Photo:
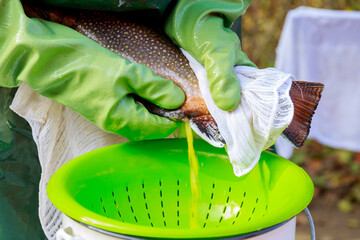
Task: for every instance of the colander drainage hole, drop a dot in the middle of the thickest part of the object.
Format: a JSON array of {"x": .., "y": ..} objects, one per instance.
[
  {"x": 162, "y": 203},
  {"x": 178, "y": 202},
  {"x": 238, "y": 213},
  {"x": 210, "y": 205},
  {"x": 131, "y": 207},
  {"x": 148, "y": 214},
  {"x": 224, "y": 209},
  {"x": 265, "y": 210},
  {"x": 101, "y": 200}
]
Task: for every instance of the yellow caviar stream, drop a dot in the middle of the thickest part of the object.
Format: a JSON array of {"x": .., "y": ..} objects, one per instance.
[{"x": 194, "y": 178}]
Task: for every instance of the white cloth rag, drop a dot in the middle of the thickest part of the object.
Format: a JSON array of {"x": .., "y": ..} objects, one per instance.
[
  {"x": 320, "y": 45},
  {"x": 264, "y": 112}
]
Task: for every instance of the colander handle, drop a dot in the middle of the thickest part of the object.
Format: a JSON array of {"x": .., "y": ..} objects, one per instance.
[
  {"x": 65, "y": 234},
  {"x": 311, "y": 222}
]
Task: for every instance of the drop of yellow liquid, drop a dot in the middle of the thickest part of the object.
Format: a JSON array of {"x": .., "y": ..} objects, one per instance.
[{"x": 194, "y": 176}]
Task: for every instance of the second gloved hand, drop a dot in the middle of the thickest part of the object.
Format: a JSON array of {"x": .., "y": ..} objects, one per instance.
[
  {"x": 69, "y": 68},
  {"x": 202, "y": 28}
]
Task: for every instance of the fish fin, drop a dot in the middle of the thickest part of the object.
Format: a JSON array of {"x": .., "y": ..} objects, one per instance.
[
  {"x": 207, "y": 129},
  {"x": 305, "y": 97}
]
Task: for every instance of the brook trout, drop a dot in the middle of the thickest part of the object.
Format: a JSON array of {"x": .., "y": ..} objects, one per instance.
[{"x": 142, "y": 43}]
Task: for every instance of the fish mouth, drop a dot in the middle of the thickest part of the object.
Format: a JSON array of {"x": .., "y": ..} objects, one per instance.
[{"x": 206, "y": 127}]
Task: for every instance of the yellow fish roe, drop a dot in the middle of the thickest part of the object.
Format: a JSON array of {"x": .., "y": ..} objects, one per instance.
[{"x": 194, "y": 178}]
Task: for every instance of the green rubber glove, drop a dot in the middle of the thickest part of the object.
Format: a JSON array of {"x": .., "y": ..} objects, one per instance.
[
  {"x": 202, "y": 28},
  {"x": 64, "y": 65},
  {"x": 110, "y": 5}
]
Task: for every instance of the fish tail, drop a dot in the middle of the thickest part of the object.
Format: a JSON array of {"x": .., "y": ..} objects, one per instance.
[
  {"x": 206, "y": 127},
  {"x": 305, "y": 97}
]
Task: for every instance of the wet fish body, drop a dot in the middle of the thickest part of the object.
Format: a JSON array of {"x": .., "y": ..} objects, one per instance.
[{"x": 144, "y": 44}]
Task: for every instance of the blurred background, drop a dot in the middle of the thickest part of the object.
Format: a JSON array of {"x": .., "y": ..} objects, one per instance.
[
  {"x": 335, "y": 172},
  {"x": 263, "y": 22}
]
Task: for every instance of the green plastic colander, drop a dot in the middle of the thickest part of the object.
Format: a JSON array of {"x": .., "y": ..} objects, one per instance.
[{"x": 143, "y": 189}]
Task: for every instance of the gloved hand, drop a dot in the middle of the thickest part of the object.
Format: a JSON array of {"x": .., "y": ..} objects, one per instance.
[
  {"x": 64, "y": 65},
  {"x": 155, "y": 6},
  {"x": 202, "y": 28}
]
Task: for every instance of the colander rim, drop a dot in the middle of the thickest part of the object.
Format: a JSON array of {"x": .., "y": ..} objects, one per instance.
[{"x": 76, "y": 211}]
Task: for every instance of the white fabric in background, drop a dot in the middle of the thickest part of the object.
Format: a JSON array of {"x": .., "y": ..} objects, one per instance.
[
  {"x": 264, "y": 112},
  {"x": 319, "y": 45},
  {"x": 60, "y": 135}
]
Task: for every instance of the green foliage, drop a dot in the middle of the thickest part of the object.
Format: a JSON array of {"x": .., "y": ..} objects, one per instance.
[{"x": 345, "y": 206}]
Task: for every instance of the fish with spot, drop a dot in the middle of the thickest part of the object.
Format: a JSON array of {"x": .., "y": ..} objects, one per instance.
[{"x": 145, "y": 44}]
